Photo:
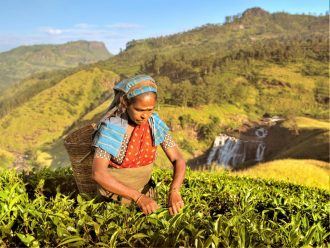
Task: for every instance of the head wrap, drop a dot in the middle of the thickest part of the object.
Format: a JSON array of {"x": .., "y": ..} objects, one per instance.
[
  {"x": 130, "y": 88},
  {"x": 136, "y": 85}
]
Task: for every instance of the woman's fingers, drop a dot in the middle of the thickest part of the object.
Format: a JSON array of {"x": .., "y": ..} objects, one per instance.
[
  {"x": 175, "y": 208},
  {"x": 175, "y": 202},
  {"x": 147, "y": 205},
  {"x": 152, "y": 208}
]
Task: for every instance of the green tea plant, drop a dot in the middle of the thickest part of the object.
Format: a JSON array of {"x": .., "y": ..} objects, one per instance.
[{"x": 43, "y": 209}]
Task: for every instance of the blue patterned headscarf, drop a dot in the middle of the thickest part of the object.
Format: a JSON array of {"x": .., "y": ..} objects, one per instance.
[
  {"x": 129, "y": 85},
  {"x": 112, "y": 129}
]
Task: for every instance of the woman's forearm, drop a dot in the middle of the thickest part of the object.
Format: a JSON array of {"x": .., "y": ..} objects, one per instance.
[{"x": 179, "y": 169}]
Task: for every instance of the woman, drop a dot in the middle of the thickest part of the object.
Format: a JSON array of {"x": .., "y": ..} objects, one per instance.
[{"x": 126, "y": 144}]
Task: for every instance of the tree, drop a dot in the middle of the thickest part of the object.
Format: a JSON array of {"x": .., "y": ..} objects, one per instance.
[
  {"x": 210, "y": 130},
  {"x": 157, "y": 63},
  {"x": 164, "y": 89},
  {"x": 182, "y": 93},
  {"x": 227, "y": 19}
]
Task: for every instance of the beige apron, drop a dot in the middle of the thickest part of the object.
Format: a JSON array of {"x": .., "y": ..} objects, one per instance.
[{"x": 135, "y": 178}]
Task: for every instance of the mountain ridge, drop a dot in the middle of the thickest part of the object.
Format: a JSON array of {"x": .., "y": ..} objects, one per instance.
[
  {"x": 240, "y": 31},
  {"x": 23, "y": 61}
]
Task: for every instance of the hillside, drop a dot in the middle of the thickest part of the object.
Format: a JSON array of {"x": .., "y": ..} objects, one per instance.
[
  {"x": 23, "y": 61},
  {"x": 279, "y": 60},
  {"x": 46, "y": 116},
  {"x": 268, "y": 68},
  {"x": 253, "y": 28},
  {"x": 309, "y": 139}
]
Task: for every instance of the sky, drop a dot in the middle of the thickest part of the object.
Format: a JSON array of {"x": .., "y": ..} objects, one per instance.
[{"x": 115, "y": 22}]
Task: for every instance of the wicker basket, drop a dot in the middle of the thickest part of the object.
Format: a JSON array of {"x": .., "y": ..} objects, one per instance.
[{"x": 78, "y": 145}]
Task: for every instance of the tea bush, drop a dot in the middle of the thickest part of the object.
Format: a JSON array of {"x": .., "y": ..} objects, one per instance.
[{"x": 43, "y": 209}]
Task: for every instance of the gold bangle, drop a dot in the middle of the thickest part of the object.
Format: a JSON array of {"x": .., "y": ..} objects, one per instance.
[{"x": 136, "y": 201}]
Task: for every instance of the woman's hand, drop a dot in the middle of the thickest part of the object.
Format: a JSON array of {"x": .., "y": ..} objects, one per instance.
[
  {"x": 147, "y": 204},
  {"x": 175, "y": 202}
]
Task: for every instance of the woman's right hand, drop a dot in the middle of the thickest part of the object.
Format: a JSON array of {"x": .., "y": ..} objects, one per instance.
[{"x": 147, "y": 204}]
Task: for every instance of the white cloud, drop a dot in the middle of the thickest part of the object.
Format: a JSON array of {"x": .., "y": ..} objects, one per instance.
[
  {"x": 124, "y": 26},
  {"x": 53, "y": 31}
]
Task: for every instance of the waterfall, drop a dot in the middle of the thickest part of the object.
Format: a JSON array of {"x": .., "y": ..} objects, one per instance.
[
  {"x": 260, "y": 151},
  {"x": 235, "y": 152},
  {"x": 261, "y": 132},
  {"x": 230, "y": 153}
]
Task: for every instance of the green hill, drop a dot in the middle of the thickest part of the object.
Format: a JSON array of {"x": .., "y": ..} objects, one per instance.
[
  {"x": 23, "y": 61},
  {"x": 46, "y": 116},
  {"x": 280, "y": 61},
  {"x": 254, "y": 29},
  {"x": 14, "y": 96}
]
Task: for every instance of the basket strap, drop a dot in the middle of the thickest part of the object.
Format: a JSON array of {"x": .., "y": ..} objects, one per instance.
[
  {"x": 84, "y": 157},
  {"x": 109, "y": 114}
]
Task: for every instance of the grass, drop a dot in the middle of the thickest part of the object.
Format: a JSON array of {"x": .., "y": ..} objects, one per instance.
[
  {"x": 6, "y": 158},
  {"x": 227, "y": 113},
  {"x": 289, "y": 73},
  {"x": 305, "y": 172},
  {"x": 311, "y": 173},
  {"x": 308, "y": 123}
]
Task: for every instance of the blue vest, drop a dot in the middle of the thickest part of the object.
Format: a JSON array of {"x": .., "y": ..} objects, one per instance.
[{"x": 111, "y": 131}]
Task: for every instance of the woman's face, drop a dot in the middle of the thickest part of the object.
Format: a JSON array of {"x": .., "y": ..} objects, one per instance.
[{"x": 141, "y": 109}]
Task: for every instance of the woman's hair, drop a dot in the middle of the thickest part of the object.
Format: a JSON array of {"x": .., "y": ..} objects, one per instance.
[{"x": 116, "y": 100}]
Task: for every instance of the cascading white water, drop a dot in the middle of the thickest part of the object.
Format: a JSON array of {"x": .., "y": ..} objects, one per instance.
[
  {"x": 235, "y": 151},
  {"x": 261, "y": 132},
  {"x": 230, "y": 153},
  {"x": 260, "y": 152}
]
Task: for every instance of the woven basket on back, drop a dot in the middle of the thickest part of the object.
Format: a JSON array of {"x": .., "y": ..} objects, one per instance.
[{"x": 78, "y": 145}]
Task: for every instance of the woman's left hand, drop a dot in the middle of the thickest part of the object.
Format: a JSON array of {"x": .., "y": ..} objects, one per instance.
[{"x": 175, "y": 202}]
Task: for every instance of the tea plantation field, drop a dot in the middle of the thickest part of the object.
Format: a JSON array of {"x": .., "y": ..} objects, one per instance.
[{"x": 43, "y": 209}]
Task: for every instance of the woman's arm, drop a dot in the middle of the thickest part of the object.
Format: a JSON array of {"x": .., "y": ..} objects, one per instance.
[
  {"x": 109, "y": 183},
  {"x": 175, "y": 202}
]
